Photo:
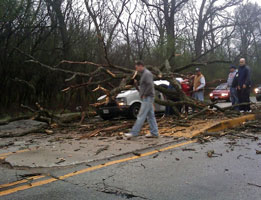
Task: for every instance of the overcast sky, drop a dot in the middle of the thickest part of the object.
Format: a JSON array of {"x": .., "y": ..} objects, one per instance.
[{"x": 254, "y": 1}]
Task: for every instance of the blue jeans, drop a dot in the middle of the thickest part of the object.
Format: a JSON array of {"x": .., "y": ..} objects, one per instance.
[
  {"x": 146, "y": 111},
  {"x": 233, "y": 96},
  {"x": 199, "y": 95}
]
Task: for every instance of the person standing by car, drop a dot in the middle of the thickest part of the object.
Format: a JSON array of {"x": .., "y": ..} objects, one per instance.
[
  {"x": 232, "y": 87},
  {"x": 187, "y": 87},
  {"x": 243, "y": 85},
  {"x": 199, "y": 85},
  {"x": 147, "y": 93}
]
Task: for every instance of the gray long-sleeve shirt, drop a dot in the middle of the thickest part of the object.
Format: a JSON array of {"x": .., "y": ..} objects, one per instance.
[
  {"x": 147, "y": 84},
  {"x": 231, "y": 77}
]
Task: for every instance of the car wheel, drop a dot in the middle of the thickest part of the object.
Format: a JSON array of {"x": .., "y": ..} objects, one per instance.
[
  {"x": 134, "y": 110},
  {"x": 258, "y": 98}
]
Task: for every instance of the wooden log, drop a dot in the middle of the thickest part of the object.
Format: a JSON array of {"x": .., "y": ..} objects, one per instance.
[{"x": 111, "y": 128}]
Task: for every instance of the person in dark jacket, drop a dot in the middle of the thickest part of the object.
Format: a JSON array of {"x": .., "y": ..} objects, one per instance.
[{"x": 243, "y": 81}]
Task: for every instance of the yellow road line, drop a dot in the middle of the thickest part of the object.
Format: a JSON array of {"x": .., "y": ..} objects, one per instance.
[
  {"x": 47, "y": 181},
  {"x": 21, "y": 181},
  {"x": 4, "y": 155}
]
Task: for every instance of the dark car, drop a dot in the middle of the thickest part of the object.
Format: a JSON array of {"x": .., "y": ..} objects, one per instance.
[
  {"x": 221, "y": 92},
  {"x": 258, "y": 93}
]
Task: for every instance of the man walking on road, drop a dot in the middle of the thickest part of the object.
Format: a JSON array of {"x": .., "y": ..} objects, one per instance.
[
  {"x": 244, "y": 85},
  {"x": 233, "y": 87},
  {"x": 199, "y": 84},
  {"x": 147, "y": 93}
]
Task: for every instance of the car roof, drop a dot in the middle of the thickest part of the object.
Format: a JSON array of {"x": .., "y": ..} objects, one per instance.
[
  {"x": 165, "y": 82},
  {"x": 161, "y": 82}
]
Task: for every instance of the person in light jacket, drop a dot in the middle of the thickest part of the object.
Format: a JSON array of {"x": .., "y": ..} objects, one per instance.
[
  {"x": 232, "y": 87},
  {"x": 199, "y": 85}
]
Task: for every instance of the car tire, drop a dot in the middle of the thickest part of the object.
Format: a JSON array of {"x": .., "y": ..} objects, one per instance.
[
  {"x": 134, "y": 110},
  {"x": 258, "y": 98},
  {"x": 107, "y": 117}
]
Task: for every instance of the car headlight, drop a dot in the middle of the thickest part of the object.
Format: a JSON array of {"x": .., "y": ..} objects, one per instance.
[
  {"x": 257, "y": 90},
  {"x": 224, "y": 94},
  {"x": 211, "y": 95},
  {"x": 121, "y": 101}
]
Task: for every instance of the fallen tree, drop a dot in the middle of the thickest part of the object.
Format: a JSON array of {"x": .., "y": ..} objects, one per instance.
[{"x": 102, "y": 76}]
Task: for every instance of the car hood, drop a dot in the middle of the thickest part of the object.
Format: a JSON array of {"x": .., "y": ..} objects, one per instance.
[
  {"x": 220, "y": 91},
  {"x": 126, "y": 93},
  {"x": 121, "y": 95}
]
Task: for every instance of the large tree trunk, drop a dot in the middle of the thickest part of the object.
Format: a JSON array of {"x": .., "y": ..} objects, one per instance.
[{"x": 57, "y": 7}]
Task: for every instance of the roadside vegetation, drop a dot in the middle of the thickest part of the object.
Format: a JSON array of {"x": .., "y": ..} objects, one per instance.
[{"x": 175, "y": 35}]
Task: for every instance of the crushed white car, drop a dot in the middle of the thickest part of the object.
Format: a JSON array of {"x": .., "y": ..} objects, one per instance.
[{"x": 128, "y": 103}]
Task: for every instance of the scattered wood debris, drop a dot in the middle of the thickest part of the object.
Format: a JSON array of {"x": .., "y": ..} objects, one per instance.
[
  {"x": 49, "y": 132},
  {"x": 136, "y": 153},
  {"x": 76, "y": 149},
  {"x": 60, "y": 161},
  {"x": 102, "y": 149},
  {"x": 258, "y": 152},
  {"x": 24, "y": 176},
  {"x": 188, "y": 149},
  {"x": 254, "y": 184},
  {"x": 6, "y": 145},
  {"x": 107, "y": 129},
  {"x": 214, "y": 134},
  {"x": 210, "y": 153},
  {"x": 155, "y": 156}
]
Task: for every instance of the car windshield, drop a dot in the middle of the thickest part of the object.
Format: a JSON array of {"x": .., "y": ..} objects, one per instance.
[
  {"x": 222, "y": 87},
  {"x": 128, "y": 90}
]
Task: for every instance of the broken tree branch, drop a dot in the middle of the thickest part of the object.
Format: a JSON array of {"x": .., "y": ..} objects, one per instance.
[{"x": 200, "y": 64}]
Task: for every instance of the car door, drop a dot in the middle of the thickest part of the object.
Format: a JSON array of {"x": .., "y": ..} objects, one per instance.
[{"x": 159, "y": 108}]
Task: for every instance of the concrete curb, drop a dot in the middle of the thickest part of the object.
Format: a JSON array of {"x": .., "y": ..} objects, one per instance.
[{"x": 230, "y": 123}]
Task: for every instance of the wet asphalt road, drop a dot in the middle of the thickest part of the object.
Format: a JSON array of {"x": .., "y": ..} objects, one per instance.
[
  {"x": 227, "y": 104},
  {"x": 173, "y": 174}
]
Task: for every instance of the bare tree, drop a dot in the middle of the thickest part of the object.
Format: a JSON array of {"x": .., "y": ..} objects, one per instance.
[
  {"x": 248, "y": 29},
  {"x": 168, "y": 9},
  {"x": 105, "y": 22},
  {"x": 209, "y": 21}
]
